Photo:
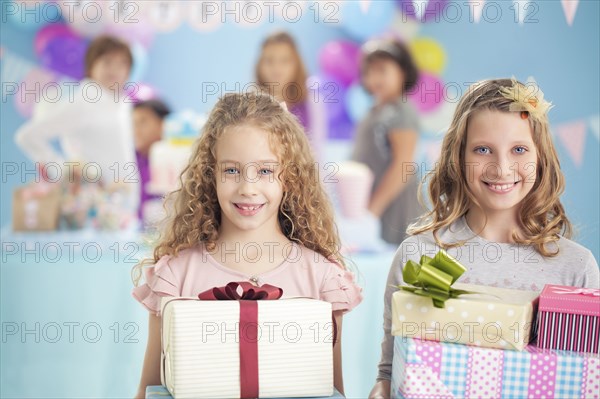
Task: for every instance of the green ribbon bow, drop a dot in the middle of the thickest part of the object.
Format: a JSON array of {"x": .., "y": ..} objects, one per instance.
[{"x": 433, "y": 277}]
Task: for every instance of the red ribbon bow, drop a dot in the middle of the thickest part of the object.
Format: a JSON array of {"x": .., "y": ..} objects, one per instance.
[{"x": 248, "y": 326}]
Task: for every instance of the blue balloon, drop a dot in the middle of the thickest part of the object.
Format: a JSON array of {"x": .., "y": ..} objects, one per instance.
[
  {"x": 31, "y": 16},
  {"x": 358, "y": 102},
  {"x": 140, "y": 63},
  {"x": 362, "y": 22}
]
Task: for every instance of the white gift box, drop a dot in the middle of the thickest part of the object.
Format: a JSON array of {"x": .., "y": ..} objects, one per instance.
[{"x": 201, "y": 348}]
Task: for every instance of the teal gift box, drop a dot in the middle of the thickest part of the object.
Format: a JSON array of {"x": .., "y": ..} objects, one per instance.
[{"x": 160, "y": 392}]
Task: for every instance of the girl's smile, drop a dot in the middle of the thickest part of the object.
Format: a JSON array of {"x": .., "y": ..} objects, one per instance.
[
  {"x": 246, "y": 209},
  {"x": 501, "y": 188}
]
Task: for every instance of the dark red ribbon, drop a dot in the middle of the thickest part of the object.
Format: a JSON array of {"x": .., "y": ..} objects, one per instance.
[{"x": 248, "y": 326}]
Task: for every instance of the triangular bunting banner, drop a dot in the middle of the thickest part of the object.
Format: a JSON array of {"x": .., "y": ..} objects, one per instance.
[
  {"x": 520, "y": 10},
  {"x": 420, "y": 7},
  {"x": 572, "y": 137},
  {"x": 569, "y": 8},
  {"x": 477, "y": 8},
  {"x": 595, "y": 126}
]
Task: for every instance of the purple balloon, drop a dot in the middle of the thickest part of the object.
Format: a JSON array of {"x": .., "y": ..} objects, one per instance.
[
  {"x": 48, "y": 33},
  {"x": 341, "y": 59},
  {"x": 329, "y": 91},
  {"x": 432, "y": 11},
  {"x": 65, "y": 55},
  {"x": 341, "y": 129}
]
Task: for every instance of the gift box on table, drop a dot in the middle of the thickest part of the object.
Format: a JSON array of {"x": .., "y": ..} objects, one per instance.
[
  {"x": 569, "y": 318},
  {"x": 435, "y": 308},
  {"x": 36, "y": 207},
  {"x": 429, "y": 369},
  {"x": 160, "y": 392},
  {"x": 246, "y": 348}
]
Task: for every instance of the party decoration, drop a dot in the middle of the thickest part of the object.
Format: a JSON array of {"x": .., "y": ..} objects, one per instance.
[
  {"x": 30, "y": 15},
  {"x": 423, "y": 10},
  {"x": 570, "y": 8},
  {"x": 65, "y": 55},
  {"x": 428, "y": 55},
  {"x": 477, "y": 8},
  {"x": 428, "y": 93},
  {"x": 49, "y": 33},
  {"x": 87, "y": 17},
  {"x": 402, "y": 28},
  {"x": 520, "y": 8},
  {"x": 203, "y": 17},
  {"x": 362, "y": 25},
  {"x": 572, "y": 136},
  {"x": 33, "y": 84},
  {"x": 140, "y": 62},
  {"x": 329, "y": 91},
  {"x": 340, "y": 59},
  {"x": 595, "y": 126},
  {"x": 341, "y": 128},
  {"x": 433, "y": 278},
  {"x": 358, "y": 102},
  {"x": 165, "y": 16},
  {"x": 140, "y": 92}
]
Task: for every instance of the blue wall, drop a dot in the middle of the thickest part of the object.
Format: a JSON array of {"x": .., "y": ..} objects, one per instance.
[{"x": 564, "y": 60}]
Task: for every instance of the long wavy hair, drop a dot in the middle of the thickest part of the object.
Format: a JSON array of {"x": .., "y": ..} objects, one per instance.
[
  {"x": 305, "y": 213},
  {"x": 542, "y": 217}
]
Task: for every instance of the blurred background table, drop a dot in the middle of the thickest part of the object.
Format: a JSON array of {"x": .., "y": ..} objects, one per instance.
[{"x": 70, "y": 327}]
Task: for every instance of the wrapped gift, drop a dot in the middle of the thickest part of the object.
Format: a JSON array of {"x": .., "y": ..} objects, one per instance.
[
  {"x": 36, "y": 207},
  {"x": 429, "y": 369},
  {"x": 160, "y": 392},
  {"x": 238, "y": 346},
  {"x": 569, "y": 318},
  {"x": 434, "y": 308}
]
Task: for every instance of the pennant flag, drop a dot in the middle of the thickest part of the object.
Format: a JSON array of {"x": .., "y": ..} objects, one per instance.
[
  {"x": 520, "y": 9},
  {"x": 420, "y": 7},
  {"x": 572, "y": 137},
  {"x": 477, "y": 7},
  {"x": 364, "y": 5},
  {"x": 569, "y": 8},
  {"x": 595, "y": 125},
  {"x": 14, "y": 68}
]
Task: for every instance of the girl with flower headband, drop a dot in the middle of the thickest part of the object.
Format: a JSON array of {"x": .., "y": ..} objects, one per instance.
[
  {"x": 250, "y": 207},
  {"x": 495, "y": 196}
]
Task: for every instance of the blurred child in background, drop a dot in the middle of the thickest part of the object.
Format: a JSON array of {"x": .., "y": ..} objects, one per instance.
[
  {"x": 386, "y": 139},
  {"x": 93, "y": 128},
  {"x": 148, "y": 117}
]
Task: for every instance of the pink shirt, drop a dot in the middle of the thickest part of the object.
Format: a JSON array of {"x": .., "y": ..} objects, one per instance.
[{"x": 304, "y": 273}]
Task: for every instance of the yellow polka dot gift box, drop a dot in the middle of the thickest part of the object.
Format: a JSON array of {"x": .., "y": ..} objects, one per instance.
[{"x": 432, "y": 307}]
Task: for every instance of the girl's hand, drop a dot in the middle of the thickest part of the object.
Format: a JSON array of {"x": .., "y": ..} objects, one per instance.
[{"x": 381, "y": 390}]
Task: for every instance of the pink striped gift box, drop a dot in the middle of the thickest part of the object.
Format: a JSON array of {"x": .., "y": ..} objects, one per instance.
[{"x": 569, "y": 319}]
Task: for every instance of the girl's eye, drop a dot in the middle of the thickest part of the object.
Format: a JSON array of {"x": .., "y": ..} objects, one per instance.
[
  {"x": 520, "y": 150},
  {"x": 230, "y": 171},
  {"x": 482, "y": 150},
  {"x": 265, "y": 171}
]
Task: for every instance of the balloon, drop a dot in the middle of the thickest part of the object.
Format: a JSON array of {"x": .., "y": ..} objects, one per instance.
[
  {"x": 330, "y": 91},
  {"x": 30, "y": 15},
  {"x": 140, "y": 62},
  {"x": 341, "y": 59},
  {"x": 363, "y": 22},
  {"x": 33, "y": 83},
  {"x": 423, "y": 11},
  {"x": 138, "y": 92},
  {"x": 427, "y": 95},
  {"x": 87, "y": 17},
  {"x": 358, "y": 102},
  {"x": 65, "y": 55},
  {"x": 428, "y": 55},
  {"x": 341, "y": 129},
  {"x": 48, "y": 33},
  {"x": 404, "y": 29}
]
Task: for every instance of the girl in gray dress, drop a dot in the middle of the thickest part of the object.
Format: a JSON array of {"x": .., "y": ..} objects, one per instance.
[{"x": 386, "y": 139}]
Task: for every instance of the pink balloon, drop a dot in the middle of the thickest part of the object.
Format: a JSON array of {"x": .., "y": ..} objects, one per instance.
[
  {"x": 341, "y": 59},
  {"x": 428, "y": 93},
  {"x": 31, "y": 91},
  {"x": 49, "y": 32},
  {"x": 140, "y": 92}
]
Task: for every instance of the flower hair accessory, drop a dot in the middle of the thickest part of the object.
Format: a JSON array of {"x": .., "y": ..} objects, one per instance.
[{"x": 527, "y": 99}]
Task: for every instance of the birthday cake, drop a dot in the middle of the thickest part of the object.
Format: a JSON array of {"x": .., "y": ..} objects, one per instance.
[{"x": 169, "y": 156}]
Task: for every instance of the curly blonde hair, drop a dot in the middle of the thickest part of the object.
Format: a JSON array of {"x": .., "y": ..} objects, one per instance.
[
  {"x": 542, "y": 217},
  {"x": 305, "y": 212}
]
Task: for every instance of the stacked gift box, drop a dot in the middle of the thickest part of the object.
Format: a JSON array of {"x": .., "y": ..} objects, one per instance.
[{"x": 467, "y": 341}]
